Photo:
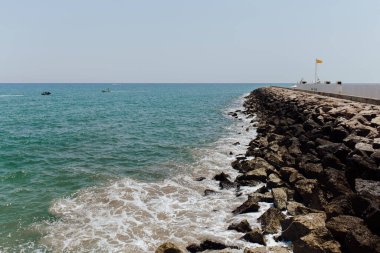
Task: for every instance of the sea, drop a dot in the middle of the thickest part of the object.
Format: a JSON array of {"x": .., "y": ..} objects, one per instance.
[{"x": 113, "y": 167}]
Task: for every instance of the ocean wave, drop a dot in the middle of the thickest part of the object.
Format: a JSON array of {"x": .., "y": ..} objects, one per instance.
[{"x": 134, "y": 216}]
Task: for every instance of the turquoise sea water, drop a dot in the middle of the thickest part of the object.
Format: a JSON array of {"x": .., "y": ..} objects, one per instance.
[{"x": 53, "y": 146}]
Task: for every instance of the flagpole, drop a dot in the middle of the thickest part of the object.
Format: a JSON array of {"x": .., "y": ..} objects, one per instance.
[{"x": 315, "y": 74}]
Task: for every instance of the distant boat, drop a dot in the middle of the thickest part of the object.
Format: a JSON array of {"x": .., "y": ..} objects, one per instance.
[
  {"x": 106, "y": 90},
  {"x": 46, "y": 93}
]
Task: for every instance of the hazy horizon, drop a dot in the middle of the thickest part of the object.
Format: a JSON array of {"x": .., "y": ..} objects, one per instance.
[{"x": 171, "y": 41}]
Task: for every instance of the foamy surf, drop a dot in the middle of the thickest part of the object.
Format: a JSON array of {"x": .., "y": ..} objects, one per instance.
[
  {"x": 10, "y": 95},
  {"x": 133, "y": 216}
]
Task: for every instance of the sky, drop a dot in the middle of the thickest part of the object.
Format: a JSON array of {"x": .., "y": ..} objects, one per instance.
[{"x": 188, "y": 41}]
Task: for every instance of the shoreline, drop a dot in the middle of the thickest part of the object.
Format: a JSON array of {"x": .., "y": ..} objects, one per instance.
[{"x": 319, "y": 159}]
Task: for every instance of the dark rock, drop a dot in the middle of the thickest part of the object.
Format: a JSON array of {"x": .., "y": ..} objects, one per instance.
[
  {"x": 352, "y": 234},
  {"x": 338, "y": 134},
  {"x": 210, "y": 245},
  {"x": 309, "y": 192},
  {"x": 251, "y": 205},
  {"x": 254, "y": 236},
  {"x": 336, "y": 181},
  {"x": 221, "y": 177},
  {"x": 199, "y": 178},
  {"x": 340, "y": 205},
  {"x": 311, "y": 170},
  {"x": 193, "y": 248},
  {"x": 271, "y": 220},
  {"x": 236, "y": 143},
  {"x": 242, "y": 226}
]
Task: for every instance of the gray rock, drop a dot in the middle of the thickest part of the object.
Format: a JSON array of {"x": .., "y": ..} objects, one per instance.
[{"x": 370, "y": 187}]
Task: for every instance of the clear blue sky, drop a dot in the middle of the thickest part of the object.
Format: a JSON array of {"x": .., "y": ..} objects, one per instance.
[{"x": 188, "y": 40}]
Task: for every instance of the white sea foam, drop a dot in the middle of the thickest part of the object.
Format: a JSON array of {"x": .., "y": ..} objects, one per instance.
[
  {"x": 134, "y": 216},
  {"x": 11, "y": 95}
]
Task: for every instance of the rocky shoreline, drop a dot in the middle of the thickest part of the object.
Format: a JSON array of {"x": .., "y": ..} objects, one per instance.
[{"x": 319, "y": 158}]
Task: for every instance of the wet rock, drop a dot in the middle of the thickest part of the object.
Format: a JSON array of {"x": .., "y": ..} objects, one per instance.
[
  {"x": 236, "y": 143},
  {"x": 271, "y": 220},
  {"x": 207, "y": 245},
  {"x": 251, "y": 205},
  {"x": 168, "y": 247},
  {"x": 280, "y": 198},
  {"x": 242, "y": 226},
  {"x": 254, "y": 236},
  {"x": 298, "y": 226},
  {"x": 227, "y": 184},
  {"x": 222, "y": 177},
  {"x": 199, "y": 178},
  {"x": 353, "y": 235}
]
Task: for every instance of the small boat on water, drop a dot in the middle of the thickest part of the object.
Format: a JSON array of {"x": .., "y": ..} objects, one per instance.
[
  {"x": 46, "y": 93},
  {"x": 106, "y": 90}
]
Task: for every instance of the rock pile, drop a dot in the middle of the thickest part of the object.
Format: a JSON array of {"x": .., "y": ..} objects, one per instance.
[{"x": 319, "y": 158}]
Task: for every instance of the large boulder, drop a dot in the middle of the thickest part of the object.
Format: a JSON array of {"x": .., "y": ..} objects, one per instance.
[
  {"x": 318, "y": 241},
  {"x": 353, "y": 235},
  {"x": 298, "y": 226}
]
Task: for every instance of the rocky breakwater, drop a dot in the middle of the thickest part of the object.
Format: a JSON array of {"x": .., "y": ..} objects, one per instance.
[
  {"x": 324, "y": 157},
  {"x": 318, "y": 159}
]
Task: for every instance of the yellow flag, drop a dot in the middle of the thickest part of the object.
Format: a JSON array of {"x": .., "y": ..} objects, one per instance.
[{"x": 318, "y": 61}]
